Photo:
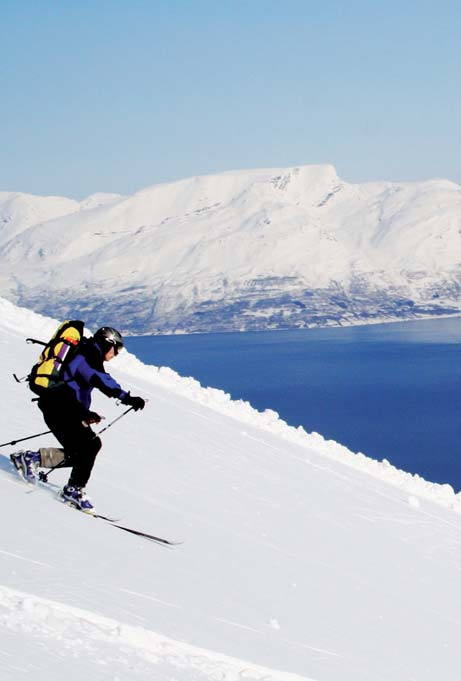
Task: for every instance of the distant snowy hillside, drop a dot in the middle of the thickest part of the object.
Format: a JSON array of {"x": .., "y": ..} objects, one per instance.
[
  {"x": 301, "y": 560},
  {"x": 241, "y": 250}
]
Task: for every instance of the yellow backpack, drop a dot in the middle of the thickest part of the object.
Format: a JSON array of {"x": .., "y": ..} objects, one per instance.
[{"x": 56, "y": 355}]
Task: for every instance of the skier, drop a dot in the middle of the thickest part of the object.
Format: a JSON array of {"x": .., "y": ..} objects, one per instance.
[{"x": 66, "y": 410}]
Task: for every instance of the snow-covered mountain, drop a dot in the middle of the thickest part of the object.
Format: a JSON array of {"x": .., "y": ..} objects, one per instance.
[
  {"x": 301, "y": 560},
  {"x": 239, "y": 250}
]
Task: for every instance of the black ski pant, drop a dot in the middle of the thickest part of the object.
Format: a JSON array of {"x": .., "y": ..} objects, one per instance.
[{"x": 81, "y": 445}]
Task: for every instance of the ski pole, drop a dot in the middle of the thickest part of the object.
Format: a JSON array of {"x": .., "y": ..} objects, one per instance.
[
  {"x": 114, "y": 421},
  {"x": 44, "y": 476},
  {"x": 21, "y": 439},
  {"x": 46, "y": 432}
]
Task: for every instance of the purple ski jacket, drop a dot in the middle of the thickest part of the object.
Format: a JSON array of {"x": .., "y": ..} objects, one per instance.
[{"x": 86, "y": 371}]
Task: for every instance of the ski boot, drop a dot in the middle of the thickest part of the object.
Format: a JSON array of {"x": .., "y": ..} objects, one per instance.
[
  {"x": 27, "y": 463},
  {"x": 76, "y": 497}
]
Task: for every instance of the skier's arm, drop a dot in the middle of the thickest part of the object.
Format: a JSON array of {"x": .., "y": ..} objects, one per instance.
[
  {"x": 108, "y": 385},
  {"x": 111, "y": 388},
  {"x": 83, "y": 373}
]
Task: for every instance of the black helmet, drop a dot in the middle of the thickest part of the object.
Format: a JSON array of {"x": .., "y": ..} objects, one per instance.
[{"x": 108, "y": 338}]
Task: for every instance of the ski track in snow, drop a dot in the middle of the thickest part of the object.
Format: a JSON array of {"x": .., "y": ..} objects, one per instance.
[
  {"x": 27, "y": 560},
  {"x": 151, "y": 598}
]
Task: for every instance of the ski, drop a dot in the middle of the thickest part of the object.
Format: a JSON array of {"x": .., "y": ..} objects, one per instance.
[
  {"x": 115, "y": 523},
  {"x": 146, "y": 535},
  {"x": 90, "y": 513},
  {"x": 112, "y": 521},
  {"x": 105, "y": 517}
]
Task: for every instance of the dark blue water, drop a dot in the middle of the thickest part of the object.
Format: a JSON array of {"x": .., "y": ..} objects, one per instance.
[{"x": 391, "y": 391}]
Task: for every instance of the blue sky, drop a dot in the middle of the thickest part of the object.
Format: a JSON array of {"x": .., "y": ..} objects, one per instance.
[{"x": 119, "y": 95}]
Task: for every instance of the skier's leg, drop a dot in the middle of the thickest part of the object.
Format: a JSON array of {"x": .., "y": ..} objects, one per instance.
[
  {"x": 52, "y": 457},
  {"x": 80, "y": 443},
  {"x": 88, "y": 446}
]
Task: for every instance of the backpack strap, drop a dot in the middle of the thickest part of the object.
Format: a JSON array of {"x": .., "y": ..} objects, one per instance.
[{"x": 37, "y": 342}]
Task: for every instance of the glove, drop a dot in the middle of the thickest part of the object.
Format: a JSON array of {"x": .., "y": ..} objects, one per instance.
[
  {"x": 133, "y": 401},
  {"x": 92, "y": 417}
]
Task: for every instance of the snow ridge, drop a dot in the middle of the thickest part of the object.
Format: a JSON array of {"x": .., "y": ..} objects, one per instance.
[
  {"x": 270, "y": 421},
  {"x": 244, "y": 250},
  {"x": 241, "y": 410},
  {"x": 81, "y": 629}
]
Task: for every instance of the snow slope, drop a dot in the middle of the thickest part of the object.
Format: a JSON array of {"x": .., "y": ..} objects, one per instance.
[
  {"x": 270, "y": 248},
  {"x": 301, "y": 560}
]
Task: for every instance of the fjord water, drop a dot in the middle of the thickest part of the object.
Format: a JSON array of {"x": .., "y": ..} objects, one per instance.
[{"x": 391, "y": 391}]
